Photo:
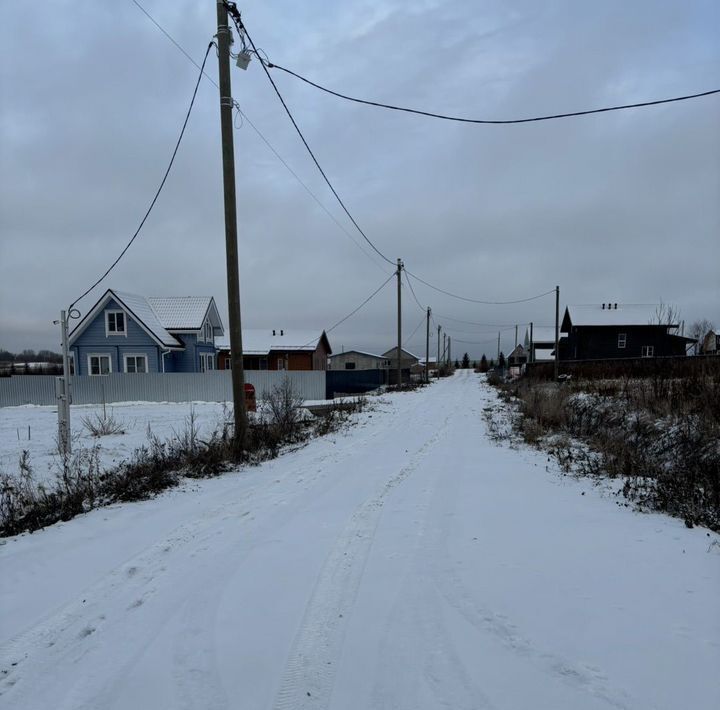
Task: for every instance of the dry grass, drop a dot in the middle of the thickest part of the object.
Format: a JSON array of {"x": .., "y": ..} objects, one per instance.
[
  {"x": 81, "y": 484},
  {"x": 662, "y": 434}
]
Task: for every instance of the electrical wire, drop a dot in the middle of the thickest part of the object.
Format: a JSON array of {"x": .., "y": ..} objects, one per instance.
[
  {"x": 354, "y": 311},
  {"x": 532, "y": 119},
  {"x": 412, "y": 291},
  {"x": 262, "y": 137},
  {"x": 472, "y": 322},
  {"x": 235, "y": 15},
  {"x": 410, "y": 337},
  {"x": 473, "y": 342},
  {"x": 162, "y": 182},
  {"x": 240, "y": 26},
  {"x": 476, "y": 300}
]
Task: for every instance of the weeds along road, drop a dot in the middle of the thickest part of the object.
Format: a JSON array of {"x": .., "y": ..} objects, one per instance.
[{"x": 408, "y": 562}]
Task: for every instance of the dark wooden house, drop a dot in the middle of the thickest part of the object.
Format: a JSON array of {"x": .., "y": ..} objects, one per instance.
[{"x": 614, "y": 330}]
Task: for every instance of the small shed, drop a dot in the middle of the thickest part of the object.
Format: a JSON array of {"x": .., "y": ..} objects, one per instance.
[{"x": 358, "y": 360}]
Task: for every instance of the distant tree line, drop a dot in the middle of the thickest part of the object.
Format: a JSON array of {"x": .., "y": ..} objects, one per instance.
[
  {"x": 30, "y": 356},
  {"x": 29, "y": 362}
]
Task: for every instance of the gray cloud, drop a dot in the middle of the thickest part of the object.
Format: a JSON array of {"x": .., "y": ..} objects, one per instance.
[{"x": 622, "y": 206}]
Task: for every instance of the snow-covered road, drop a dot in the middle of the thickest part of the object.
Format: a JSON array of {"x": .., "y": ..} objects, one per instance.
[{"x": 406, "y": 563}]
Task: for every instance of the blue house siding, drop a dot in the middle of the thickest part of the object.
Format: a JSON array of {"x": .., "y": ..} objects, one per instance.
[
  {"x": 136, "y": 341},
  {"x": 183, "y": 360},
  {"x": 94, "y": 341}
]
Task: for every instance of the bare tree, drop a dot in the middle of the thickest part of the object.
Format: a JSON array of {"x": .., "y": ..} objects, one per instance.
[{"x": 666, "y": 314}]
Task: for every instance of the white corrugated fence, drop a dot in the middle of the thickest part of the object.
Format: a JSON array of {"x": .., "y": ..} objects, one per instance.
[{"x": 155, "y": 387}]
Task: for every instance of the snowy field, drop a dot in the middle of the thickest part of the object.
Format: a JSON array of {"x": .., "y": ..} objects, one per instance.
[
  {"x": 34, "y": 428},
  {"x": 406, "y": 563}
]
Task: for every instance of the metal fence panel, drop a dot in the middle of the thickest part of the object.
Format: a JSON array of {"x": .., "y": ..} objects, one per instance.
[
  {"x": 354, "y": 381},
  {"x": 155, "y": 387}
]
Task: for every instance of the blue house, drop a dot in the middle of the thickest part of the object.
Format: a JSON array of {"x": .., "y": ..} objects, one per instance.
[{"x": 124, "y": 332}]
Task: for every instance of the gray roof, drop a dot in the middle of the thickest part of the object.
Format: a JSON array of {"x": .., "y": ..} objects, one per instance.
[
  {"x": 144, "y": 312},
  {"x": 630, "y": 314},
  {"x": 181, "y": 312},
  {"x": 261, "y": 342},
  {"x": 405, "y": 353},
  {"x": 359, "y": 352}
]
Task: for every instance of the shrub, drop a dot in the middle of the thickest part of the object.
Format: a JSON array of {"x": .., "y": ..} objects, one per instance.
[
  {"x": 660, "y": 433},
  {"x": 103, "y": 425}
]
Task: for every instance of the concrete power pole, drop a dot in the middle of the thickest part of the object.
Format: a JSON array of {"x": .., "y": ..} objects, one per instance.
[
  {"x": 516, "y": 334},
  {"x": 231, "y": 245},
  {"x": 399, "y": 321},
  {"x": 427, "y": 347},
  {"x": 449, "y": 353},
  {"x": 498, "y": 353},
  {"x": 557, "y": 332},
  {"x": 437, "y": 362},
  {"x": 444, "y": 352},
  {"x": 63, "y": 393}
]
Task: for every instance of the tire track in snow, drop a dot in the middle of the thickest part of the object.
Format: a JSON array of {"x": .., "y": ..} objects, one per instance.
[
  {"x": 310, "y": 669},
  {"x": 72, "y": 630},
  {"x": 453, "y": 589}
]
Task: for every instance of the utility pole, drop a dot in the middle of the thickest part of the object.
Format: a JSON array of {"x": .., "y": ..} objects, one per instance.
[
  {"x": 449, "y": 354},
  {"x": 444, "y": 352},
  {"x": 427, "y": 347},
  {"x": 437, "y": 362},
  {"x": 532, "y": 347},
  {"x": 498, "y": 354},
  {"x": 516, "y": 335},
  {"x": 399, "y": 322},
  {"x": 231, "y": 245},
  {"x": 557, "y": 332},
  {"x": 62, "y": 392}
]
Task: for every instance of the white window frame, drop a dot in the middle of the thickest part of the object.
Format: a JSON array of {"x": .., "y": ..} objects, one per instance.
[
  {"x": 647, "y": 351},
  {"x": 205, "y": 359},
  {"x": 99, "y": 355},
  {"x": 208, "y": 335},
  {"x": 622, "y": 341},
  {"x": 127, "y": 356},
  {"x": 71, "y": 362},
  {"x": 109, "y": 332},
  {"x": 281, "y": 364}
]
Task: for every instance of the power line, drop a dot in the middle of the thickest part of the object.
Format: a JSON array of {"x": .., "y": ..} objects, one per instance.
[
  {"x": 409, "y": 338},
  {"x": 162, "y": 183},
  {"x": 241, "y": 28},
  {"x": 354, "y": 311},
  {"x": 260, "y": 135},
  {"x": 460, "y": 119},
  {"x": 476, "y": 300},
  {"x": 412, "y": 291},
  {"x": 472, "y": 322},
  {"x": 503, "y": 329},
  {"x": 473, "y": 342}
]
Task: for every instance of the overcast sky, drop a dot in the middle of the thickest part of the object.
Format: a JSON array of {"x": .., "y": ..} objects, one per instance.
[{"x": 613, "y": 207}]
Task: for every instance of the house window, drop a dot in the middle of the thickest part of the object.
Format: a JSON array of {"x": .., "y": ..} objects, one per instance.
[
  {"x": 99, "y": 364},
  {"x": 622, "y": 340},
  {"x": 136, "y": 363},
  {"x": 207, "y": 362},
  {"x": 349, "y": 365},
  {"x": 208, "y": 333},
  {"x": 647, "y": 351},
  {"x": 281, "y": 363},
  {"x": 228, "y": 363},
  {"x": 115, "y": 323}
]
